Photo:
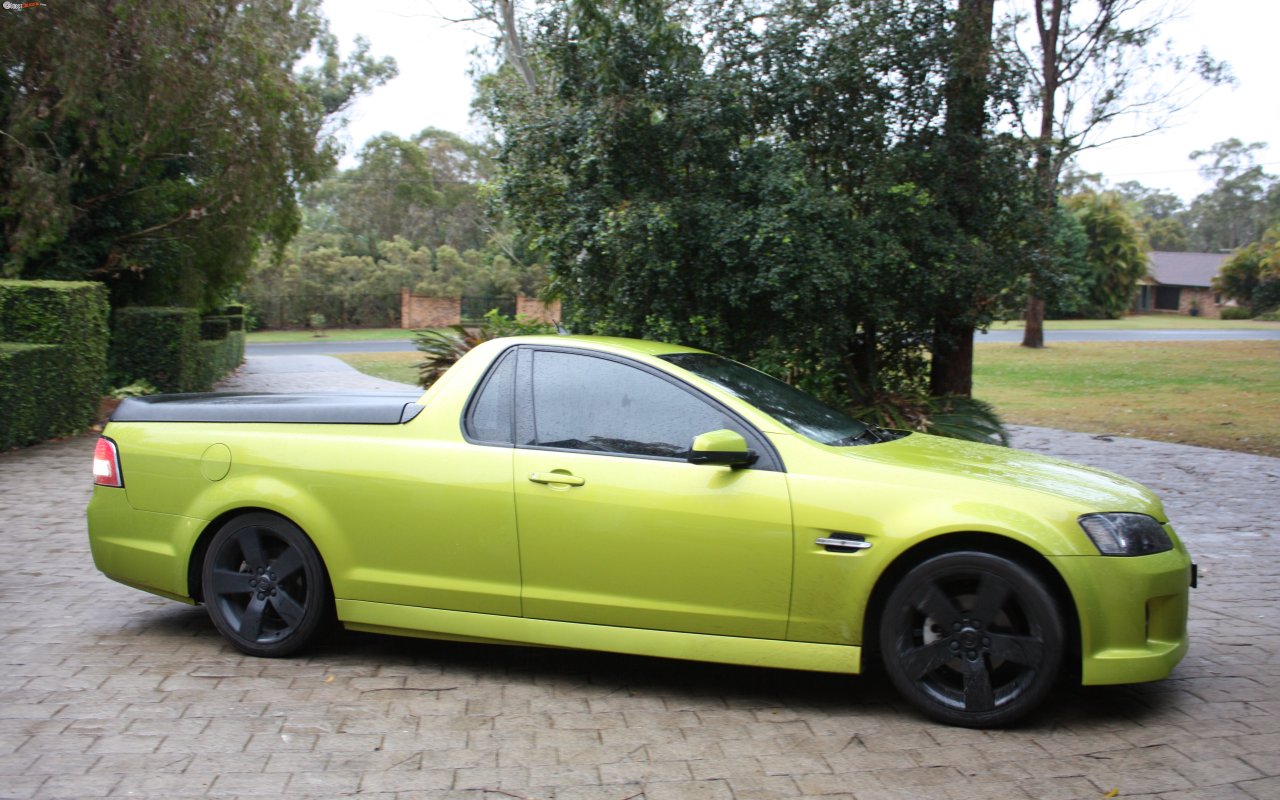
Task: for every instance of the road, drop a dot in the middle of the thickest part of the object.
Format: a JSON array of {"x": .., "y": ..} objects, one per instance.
[{"x": 328, "y": 348}]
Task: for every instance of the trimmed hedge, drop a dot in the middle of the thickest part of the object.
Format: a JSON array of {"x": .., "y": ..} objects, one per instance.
[
  {"x": 1234, "y": 312},
  {"x": 173, "y": 348},
  {"x": 53, "y": 389},
  {"x": 157, "y": 344}
]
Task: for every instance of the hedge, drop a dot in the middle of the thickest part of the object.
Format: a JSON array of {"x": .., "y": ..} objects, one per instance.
[
  {"x": 51, "y": 389},
  {"x": 173, "y": 348}
]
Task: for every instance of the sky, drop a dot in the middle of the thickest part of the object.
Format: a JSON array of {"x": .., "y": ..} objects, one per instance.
[{"x": 434, "y": 88}]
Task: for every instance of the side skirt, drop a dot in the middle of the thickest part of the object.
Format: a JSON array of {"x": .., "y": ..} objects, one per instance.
[{"x": 432, "y": 623}]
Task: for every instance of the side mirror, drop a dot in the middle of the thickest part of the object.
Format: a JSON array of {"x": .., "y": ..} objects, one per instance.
[{"x": 723, "y": 447}]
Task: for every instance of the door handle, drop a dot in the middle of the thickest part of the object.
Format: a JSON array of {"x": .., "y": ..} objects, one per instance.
[{"x": 561, "y": 478}]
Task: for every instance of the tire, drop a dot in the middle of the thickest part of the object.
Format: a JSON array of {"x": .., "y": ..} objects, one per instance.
[
  {"x": 972, "y": 639},
  {"x": 265, "y": 586}
]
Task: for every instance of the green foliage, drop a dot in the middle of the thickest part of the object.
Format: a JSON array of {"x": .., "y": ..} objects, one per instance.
[
  {"x": 1243, "y": 202},
  {"x": 1064, "y": 282},
  {"x": 498, "y": 325},
  {"x": 1236, "y": 312},
  {"x": 1241, "y": 275},
  {"x": 153, "y": 144},
  {"x": 27, "y": 371},
  {"x": 53, "y": 358},
  {"x": 173, "y": 349},
  {"x": 443, "y": 347},
  {"x": 157, "y": 344},
  {"x": 135, "y": 389},
  {"x": 1116, "y": 254},
  {"x": 789, "y": 196}
]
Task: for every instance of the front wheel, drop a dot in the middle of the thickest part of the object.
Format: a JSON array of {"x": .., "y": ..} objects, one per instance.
[
  {"x": 265, "y": 586},
  {"x": 972, "y": 639}
]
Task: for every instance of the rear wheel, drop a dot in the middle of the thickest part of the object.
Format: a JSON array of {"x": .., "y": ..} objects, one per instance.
[
  {"x": 972, "y": 639},
  {"x": 265, "y": 586}
]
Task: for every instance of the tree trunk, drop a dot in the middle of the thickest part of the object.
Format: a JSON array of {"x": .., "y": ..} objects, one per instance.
[
  {"x": 951, "y": 370},
  {"x": 1033, "y": 333},
  {"x": 1050, "y": 29}
]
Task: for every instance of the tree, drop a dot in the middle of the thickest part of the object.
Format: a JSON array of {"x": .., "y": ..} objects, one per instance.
[
  {"x": 792, "y": 195},
  {"x": 154, "y": 144},
  {"x": 1243, "y": 202},
  {"x": 1251, "y": 276},
  {"x": 1116, "y": 253},
  {"x": 1089, "y": 63}
]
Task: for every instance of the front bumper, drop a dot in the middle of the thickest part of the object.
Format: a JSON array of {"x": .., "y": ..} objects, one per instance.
[{"x": 1132, "y": 612}]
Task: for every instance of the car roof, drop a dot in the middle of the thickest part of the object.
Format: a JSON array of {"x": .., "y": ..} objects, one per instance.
[{"x": 611, "y": 344}]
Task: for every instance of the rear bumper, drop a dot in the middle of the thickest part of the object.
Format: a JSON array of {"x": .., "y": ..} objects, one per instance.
[
  {"x": 142, "y": 549},
  {"x": 1132, "y": 612}
]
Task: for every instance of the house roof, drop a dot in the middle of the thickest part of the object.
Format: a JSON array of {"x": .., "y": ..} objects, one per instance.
[{"x": 1184, "y": 269}]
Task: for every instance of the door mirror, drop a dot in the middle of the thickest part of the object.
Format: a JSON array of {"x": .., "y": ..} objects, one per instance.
[{"x": 722, "y": 447}]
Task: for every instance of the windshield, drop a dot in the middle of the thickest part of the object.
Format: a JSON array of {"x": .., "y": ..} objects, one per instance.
[{"x": 790, "y": 406}]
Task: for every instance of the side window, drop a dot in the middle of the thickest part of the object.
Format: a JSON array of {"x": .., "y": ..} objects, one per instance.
[
  {"x": 490, "y": 417},
  {"x": 585, "y": 403}
]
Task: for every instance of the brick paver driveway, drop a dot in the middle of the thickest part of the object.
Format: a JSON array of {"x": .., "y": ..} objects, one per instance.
[{"x": 106, "y": 691}]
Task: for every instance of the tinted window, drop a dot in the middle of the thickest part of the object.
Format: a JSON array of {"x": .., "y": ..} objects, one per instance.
[
  {"x": 790, "y": 406},
  {"x": 490, "y": 418},
  {"x": 586, "y": 403}
]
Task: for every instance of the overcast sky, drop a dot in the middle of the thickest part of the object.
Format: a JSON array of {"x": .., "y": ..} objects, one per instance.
[{"x": 434, "y": 86}]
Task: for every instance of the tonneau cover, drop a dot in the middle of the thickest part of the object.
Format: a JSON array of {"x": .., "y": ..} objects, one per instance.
[{"x": 384, "y": 408}]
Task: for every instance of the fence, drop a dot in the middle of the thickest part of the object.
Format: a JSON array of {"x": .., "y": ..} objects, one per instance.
[{"x": 339, "y": 311}]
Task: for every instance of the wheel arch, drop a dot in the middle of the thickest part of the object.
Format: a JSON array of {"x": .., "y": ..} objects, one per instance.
[
  {"x": 981, "y": 541},
  {"x": 195, "y": 562}
]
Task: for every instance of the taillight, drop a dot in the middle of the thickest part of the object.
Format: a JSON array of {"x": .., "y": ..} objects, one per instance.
[{"x": 106, "y": 464}]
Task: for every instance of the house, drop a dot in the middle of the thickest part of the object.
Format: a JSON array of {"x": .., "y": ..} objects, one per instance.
[{"x": 1181, "y": 283}]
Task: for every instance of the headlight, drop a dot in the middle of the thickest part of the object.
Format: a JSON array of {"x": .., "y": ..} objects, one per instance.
[{"x": 1119, "y": 534}]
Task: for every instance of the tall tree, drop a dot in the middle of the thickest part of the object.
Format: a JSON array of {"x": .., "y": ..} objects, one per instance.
[
  {"x": 1116, "y": 253},
  {"x": 792, "y": 195},
  {"x": 965, "y": 130},
  {"x": 1090, "y": 63},
  {"x": 152, "y": 144},
  {"x": 1244, "y": 200}
]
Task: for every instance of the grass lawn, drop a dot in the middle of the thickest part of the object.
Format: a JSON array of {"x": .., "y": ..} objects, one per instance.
[
  {"x": 1146, "y": 322},
  {"x": 334, "y": 334},
  {"x": 1213, "y": 394},
  {"x": 388, "y": 366}
]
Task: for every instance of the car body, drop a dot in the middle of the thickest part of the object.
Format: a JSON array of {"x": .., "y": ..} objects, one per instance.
[{"x": 644, "y": 498}]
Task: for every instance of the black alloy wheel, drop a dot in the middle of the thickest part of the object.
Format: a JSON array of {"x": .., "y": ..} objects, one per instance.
[
  {"x": 972, "y": 639},
  {"x": 265, "y": 586}
]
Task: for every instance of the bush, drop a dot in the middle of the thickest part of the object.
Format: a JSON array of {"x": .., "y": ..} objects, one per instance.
[
  {"x": 26, "y": 372},
  {"x": 443, "y": 348},
  {"x": 1235, "y": 312},
  {"x": 173, "y": 348},
  {"x": 1266, "y": 297},
  {"x": 214, "y": 329},
  {"x": 158, "y": 344},
  {"x": 53, "y": 390}
]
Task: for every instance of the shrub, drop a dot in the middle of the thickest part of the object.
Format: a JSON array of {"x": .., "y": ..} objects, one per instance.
[
  {"x": 26, "y": 372},
  {"x": 1236, "y": 312},
  {"x": 1266, "y": 297},
  {"x": 443, "y": 348},
  {"x": 214, "y": 328},
  {"x": 159, "y": 344},
  {"x": 52, "y": 390}
]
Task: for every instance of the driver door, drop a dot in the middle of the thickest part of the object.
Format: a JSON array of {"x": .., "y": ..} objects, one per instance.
[{"x": 617, "y": 528}]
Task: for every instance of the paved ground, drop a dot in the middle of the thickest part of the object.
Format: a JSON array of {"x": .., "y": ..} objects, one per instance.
[{"x": 106, "y": 691}]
